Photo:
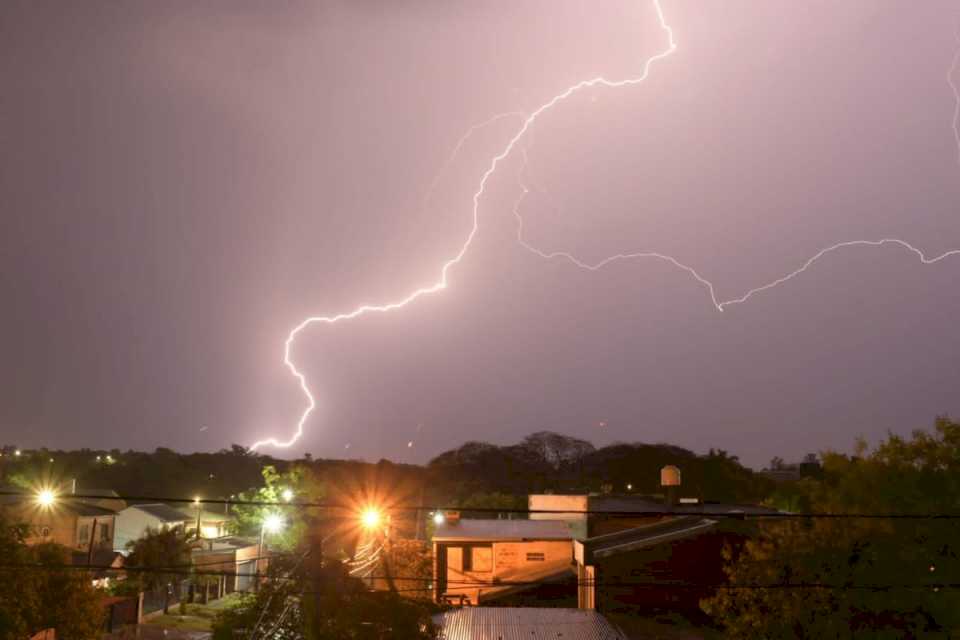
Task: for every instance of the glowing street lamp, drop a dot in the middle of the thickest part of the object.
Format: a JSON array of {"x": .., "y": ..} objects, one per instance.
[
  {"x": 273, "y": 523},
  {"x": 46, "y": 498},
  {"x": 287, "y": 495},
  {"x": 438, "y": 518},
  {"x": 196, "y": 503},
  {"x": 371, "y": 518}
]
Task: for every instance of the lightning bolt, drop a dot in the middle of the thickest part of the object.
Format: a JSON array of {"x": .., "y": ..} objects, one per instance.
[
  {"x": 718, "y": 304},
  {"x": 512, "y": 144}
]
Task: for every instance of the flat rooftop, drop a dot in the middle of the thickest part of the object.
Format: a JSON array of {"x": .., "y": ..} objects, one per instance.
[{"x": 485, "y": 530}]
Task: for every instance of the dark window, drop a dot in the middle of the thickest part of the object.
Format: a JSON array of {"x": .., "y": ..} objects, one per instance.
[
  {"x": 105, "y": 533},
  {"x": 84, "y": 533},
  {"x": 535, "y": 557}
]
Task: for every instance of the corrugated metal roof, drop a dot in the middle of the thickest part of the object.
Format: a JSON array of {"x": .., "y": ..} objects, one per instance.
[
  {"x": 524, "y": 623},
  {"x": 503, "y": 530}
]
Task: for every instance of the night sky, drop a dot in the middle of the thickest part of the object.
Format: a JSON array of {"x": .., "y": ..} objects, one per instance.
[{"x": 181, "y": 183}]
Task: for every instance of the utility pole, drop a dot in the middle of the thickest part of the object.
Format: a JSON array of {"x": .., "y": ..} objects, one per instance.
[
  {"x": 93, "y": 536},
  {"x": 316, "y": 574}
]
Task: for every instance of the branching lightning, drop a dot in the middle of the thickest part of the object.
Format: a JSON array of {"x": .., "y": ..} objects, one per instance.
[
  {"x": 718, "y": 304},
  {"x": 508, "y": 149}
]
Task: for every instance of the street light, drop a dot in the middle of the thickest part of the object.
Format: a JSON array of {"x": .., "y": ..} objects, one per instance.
[
  {"x": 438, "y": 518},
  {"x": 46, "y": 498},
  {"x": 196, "y": 503},
  {"x": 273, "y": 523},
  {"x": 287, "y": 495},
  {"x": 371, "y": 518}
]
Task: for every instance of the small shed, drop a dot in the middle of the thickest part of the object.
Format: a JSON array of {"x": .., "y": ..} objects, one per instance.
[{"x": 476, "y": 561}]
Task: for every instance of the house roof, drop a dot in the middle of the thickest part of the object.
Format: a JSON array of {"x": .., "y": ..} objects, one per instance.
[
  {"x": 85, "y": 509},
  {"x": 643, "y": 537},
  {"x": 19, "y": 498},
  {"x": 225, "y": 544},
  {"x": 642, "y": 504},
  {"x": 163, "y": 512},
  {"x": 99, "y": 493},
  {"x": 205, "y": 515},
  {"x": 481, "y": 530},
  {"x": 526, "y": 623}
]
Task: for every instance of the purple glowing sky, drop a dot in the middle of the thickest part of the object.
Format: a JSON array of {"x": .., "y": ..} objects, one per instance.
[{"x": 184, "y": 182}]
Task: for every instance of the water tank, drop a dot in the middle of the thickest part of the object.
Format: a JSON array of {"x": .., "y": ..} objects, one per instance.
[{"x": 670, "y": 476}]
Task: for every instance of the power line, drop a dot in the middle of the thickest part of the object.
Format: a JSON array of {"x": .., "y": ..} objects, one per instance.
[
  {"x": 683, "y": 510},
  {"x": 467, "y": 584}
]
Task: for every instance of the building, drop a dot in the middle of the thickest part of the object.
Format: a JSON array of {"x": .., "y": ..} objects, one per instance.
[
  {"x": 637, "y": 567},
  {"x": 77, "y": 523},
  {"x": 647, "y": 552},
  {"x": 233, "y": 559},
  {"x": 594, "y": 514},
  {"x": 524, "y": 623},
  {"x": 108, "y": 565},
  {"x": 134, "y": 521},
  {"x": 212, "y": 524},
  {"x": 477, "y": 561}
]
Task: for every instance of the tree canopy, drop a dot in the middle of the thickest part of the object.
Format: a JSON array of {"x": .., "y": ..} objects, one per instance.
[
  {"x": 37, "y": 592},
  {"x": 878, "y": 576}
]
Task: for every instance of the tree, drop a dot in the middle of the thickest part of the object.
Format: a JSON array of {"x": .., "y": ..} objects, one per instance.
[
  {"x": 284, "y": 608},
  {"x": 301, "y": 486},
  {"x": 156, "y": 551},
  {"x": 555, "y": 449},
  {"x": 879, "y": 577},
  {"x": 39, "y": 590}
]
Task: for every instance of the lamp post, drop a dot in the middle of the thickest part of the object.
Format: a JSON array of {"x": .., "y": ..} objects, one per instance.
[{"x": 272, "y": 523}]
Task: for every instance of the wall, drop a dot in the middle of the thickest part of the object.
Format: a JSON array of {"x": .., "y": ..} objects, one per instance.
[
  {"x": 576, "y": 516},
  {"x": 132, "y": 524},
  {"x": 103, "y": 524},
  {"x": 62, "y": 525},
  {"x": 510, "y": 564}
]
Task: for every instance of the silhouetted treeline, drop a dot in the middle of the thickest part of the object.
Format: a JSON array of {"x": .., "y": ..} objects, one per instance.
[
  {"x": 547, "y": 461},
  {"x": 543, "y": 461}
]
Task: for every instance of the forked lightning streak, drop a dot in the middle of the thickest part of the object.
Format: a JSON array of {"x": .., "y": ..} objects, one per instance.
[{"x": 508, "y": 149}]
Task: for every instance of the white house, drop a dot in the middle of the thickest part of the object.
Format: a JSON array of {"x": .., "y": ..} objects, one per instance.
[{"x": 134, "y": 521}]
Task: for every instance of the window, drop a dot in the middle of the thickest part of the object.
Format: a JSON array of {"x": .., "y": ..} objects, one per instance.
[
  {"x": 535, "y": 557},
  {"x": 481, "y": 558},
  {"x": 478, "y": 558},
  {"x": 105, "y": 533},
  {"x": 85, "y": 533}
]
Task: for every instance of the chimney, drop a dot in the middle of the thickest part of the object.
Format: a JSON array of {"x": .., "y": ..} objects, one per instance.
[{"x": 670, "y": 482}]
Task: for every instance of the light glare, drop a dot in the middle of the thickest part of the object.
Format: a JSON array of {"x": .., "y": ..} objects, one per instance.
[
  {"x": 370, "y": 518},
  {"x": 273, "y": 523},
  {"x": 46, "y": 498}
]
